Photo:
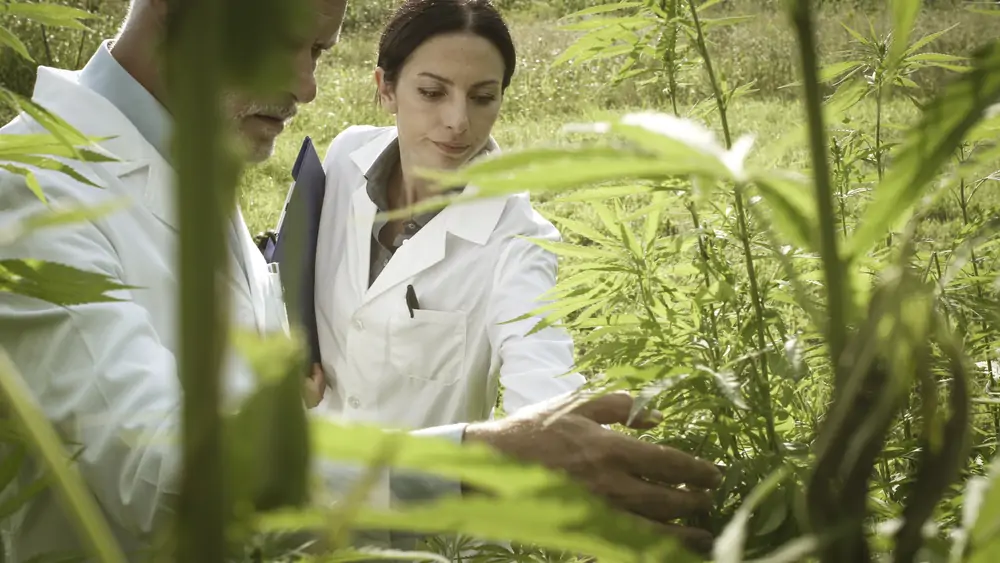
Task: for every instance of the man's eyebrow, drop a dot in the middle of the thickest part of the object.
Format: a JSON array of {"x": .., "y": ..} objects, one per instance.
[{"x": 446, "y": 81}]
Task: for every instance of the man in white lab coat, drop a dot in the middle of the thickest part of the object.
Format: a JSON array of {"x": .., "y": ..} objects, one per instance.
[{"x": 105, "y": 373}]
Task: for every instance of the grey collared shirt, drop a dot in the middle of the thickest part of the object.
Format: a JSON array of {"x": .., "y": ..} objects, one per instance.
[{"x": 378, "y": 177}]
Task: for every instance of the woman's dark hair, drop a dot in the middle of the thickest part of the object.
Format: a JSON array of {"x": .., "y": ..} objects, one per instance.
[{"x": 416, "y": 21}]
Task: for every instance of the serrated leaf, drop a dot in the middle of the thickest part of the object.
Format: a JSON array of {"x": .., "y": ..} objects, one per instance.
[
  {"x": 602, "y": 9},
  {"x": 927, "y": 39},
  {"x": 46, "y": 163},
  {"x": 29, "y": 180},
  {"x": 936, "y": 58},
  {"x": 597, "y": 23},
  {"x": 835, "y": 70},
  {"x": 12, "y": 146},
  {"x": 7, "y": 38},
  {"x": 56, "y": 283},
  {"x": 928, "y": 145},
  {"x": 582, "y": 228},
  {"x": 54, "y": 124},
  {"x": 857, "y": 36}
]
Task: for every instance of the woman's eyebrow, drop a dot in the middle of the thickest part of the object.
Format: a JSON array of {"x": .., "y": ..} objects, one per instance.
[{"x": 449, "y": 82}]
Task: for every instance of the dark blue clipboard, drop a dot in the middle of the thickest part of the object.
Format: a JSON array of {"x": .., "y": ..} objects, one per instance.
[{"x": 294, "y": 247}]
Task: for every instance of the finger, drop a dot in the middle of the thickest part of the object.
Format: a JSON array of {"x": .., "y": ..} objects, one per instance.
[
  {"x": 615, "y": 408},
  {"x": 695, "y": 539},
  {"x": 655, "y": 502},
  {"x": 663, "y": 464}
]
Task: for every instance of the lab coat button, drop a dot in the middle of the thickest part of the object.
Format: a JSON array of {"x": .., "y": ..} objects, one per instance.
[{"x": 354, "y": 402}]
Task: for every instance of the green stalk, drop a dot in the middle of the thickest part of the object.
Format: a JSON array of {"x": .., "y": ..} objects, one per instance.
[
  {"x": 755, "y": 297},
  {"x": 195, "y": 62},
  {"x": 670, "y": 53},
  {"x": 832, "y": 264}
]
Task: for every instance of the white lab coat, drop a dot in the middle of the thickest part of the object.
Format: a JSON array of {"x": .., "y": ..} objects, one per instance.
[
  {"x": 470, "y": 273},
  {"x": 105, "y": 374}
]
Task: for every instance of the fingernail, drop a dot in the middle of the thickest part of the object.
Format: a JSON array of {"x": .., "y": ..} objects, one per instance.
[{"x": 655, "y": 416}]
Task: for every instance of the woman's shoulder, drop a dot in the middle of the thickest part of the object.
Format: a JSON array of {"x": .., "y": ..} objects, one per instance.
[
  {"x": 520, "y": 218},
  {"x": 353, "y": 138}
]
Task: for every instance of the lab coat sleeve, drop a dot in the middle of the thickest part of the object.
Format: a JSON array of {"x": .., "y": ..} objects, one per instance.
[
  {"x": 538, "y": 366},
  {"x": 100, "y": 374}
]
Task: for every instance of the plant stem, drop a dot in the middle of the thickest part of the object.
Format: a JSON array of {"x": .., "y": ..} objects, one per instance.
[
  {"x": 716, "y": 91},
  {"x": 194, "y": 68},
  {"x": 670, "y": 53},
  {"x": 755, "y": 296},
  {"x": 45, "y": 42},
  {"x": 832, "y": 264}
]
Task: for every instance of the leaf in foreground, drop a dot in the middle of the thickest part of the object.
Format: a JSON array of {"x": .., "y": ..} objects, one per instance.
[
  {"x": 69, "y": 484},
  {"x": 522, "y": 503},
  {"x": 56, "y": 283}
]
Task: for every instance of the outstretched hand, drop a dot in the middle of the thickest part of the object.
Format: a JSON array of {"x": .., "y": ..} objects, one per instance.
[{"x": 659, "y": 483}]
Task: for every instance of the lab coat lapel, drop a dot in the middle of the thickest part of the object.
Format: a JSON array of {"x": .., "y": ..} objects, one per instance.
[
  {"x": 140, "y": 167},
  {"x": 423, "y": 250},
  {"x": 143, "y": 175},
  {"x": 473, "y": 221},
  {"x": 363, "y": 217}
]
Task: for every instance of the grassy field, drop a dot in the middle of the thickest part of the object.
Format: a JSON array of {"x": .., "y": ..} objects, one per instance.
[{"x": 543, "y": 98}]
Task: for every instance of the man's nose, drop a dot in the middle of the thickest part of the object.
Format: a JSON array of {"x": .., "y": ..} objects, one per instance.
[{"x": 304, "y": 88}]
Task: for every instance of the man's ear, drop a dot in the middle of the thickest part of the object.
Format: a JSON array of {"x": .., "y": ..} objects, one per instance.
[{"x": 386, "y": 91}]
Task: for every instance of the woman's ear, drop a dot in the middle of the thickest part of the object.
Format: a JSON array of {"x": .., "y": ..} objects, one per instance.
[{"x": 386, "y": 93}]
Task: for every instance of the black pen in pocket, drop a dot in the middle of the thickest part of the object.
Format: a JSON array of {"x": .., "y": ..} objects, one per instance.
[{"x": 411, "y": 300}]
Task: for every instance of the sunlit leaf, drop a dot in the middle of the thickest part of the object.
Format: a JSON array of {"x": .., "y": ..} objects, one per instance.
[
  {"x": 56, "y": 283},
  {"x": 54, "y": 124},
  {"x": 46, "y": 163},
  {"x": 49, "y": 14},
  {"x": 30, "y": 180},
  {"x": 10, "y": 40}
]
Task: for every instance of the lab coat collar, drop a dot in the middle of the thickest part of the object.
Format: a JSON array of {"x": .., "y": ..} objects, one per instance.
[
  {"x": 473, "y": 220},
  {"x": 60, "y": 92}
]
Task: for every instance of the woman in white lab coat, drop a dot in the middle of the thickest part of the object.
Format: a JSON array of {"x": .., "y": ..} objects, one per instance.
[{"x": 411, "y": 314}]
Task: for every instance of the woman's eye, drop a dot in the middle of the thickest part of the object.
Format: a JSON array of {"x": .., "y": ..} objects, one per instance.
[
  {"x": 430, "y": 94},
  {"x": 485, "y": 99}
]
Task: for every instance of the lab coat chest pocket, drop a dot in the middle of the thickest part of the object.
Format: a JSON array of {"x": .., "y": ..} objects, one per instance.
[{"x": 428, "y": 347}]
